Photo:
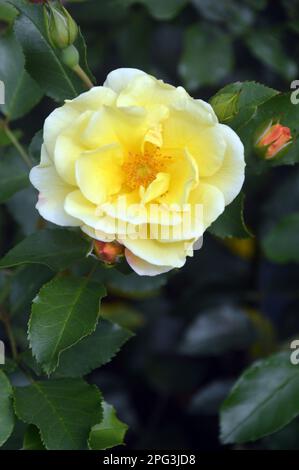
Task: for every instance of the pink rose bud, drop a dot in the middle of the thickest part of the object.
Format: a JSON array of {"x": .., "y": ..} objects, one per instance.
[
  {"x": 274, "y": 139},
  {"x": 108, "y": 252}
]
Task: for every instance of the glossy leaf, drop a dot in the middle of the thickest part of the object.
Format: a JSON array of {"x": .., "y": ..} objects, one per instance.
[
  {"x": 237, "y": 102},
  {"x": 264, "y": 399},
  {"x": 93, "y": 351},
  {"x": 65, "y": 311},
  {"x": 63, "y": 410},
  {"x": 56, "y": 249},
  {"x": 109, "y": 433},
  {"x": 21, "y": 92},
  {"x": 25, "y": 284},
  {"x": 43, "y": 61},
  {"x": 231, "y": 222},
  {"x": 32, "y": 439},
  {"x": 6, "y": 411}
]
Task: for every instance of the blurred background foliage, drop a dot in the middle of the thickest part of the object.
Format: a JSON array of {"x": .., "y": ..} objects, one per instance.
[{"x": 197, "y": 328}]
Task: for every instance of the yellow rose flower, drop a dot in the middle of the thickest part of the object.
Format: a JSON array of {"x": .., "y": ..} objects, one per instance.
[{"x": 133, "y": 160}]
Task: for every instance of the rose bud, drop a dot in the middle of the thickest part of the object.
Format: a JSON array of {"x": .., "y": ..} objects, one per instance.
[
  {"x": 108, "y": 252},
  {"x": 62, "y": 29},
  {"x": 273, "y": 140}
]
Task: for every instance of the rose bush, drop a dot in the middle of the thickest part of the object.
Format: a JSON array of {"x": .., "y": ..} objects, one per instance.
[{"x": 142, "y": 142}]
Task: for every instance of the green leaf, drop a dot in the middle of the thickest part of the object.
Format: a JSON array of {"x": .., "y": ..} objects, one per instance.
[
  {"x": 6, "y": 411},
  {"x": 65, "y": 311},
  {"x": 30, "y": 362},
  {"x": 43, "y": 61},
  {"x": 264, "y": 399},
  {"x": 55, "y": 248},
  {"x": 109, "y": 433},
  {"x": 25, "y": 284},
  {"x": 93, "y": 351},
  {"x": 277, "y": 109},
  {"x": 32, "y": 439},
  {"x": 197, "y": 68},
  {"x": 21, "y": 92},
  {"x": 63, "y": 410},
  {"x": 13, "y": 174},
  {"x": 7, "y": 12},
  {"x": 231, "y": 222},
  {"x": 237, "y": 102},
  {"x": 225, "y": 105},
  {"x": 281, "y": 243}
]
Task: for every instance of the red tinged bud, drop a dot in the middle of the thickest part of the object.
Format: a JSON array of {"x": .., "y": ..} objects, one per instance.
[
  {"x": 274, "y": 139},
  {"x": 108, "y": 252}
]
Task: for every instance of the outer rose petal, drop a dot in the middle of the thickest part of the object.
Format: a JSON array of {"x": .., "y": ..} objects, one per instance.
[
  {"x": 93, "y": 99},
  {"x": 120, "y": 78},
  {"x": 78, "y": 206},
  {"x": 56, "y": 122},
  {"x": 154, "y": 252},
  {"x": 97, "y": 234},
  {"x": 53, "y": 191},
  {"x": 145, "y": 90},
  {"x": 143, "y": 268},
  {"x": 63, "y": 117},
  {"x": 230, "y": 177},
  {"x": 212, "y": 201}
]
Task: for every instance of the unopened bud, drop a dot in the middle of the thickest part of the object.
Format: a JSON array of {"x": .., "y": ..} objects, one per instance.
[
  {"x": 274, "y": 139},
  {"x": 109, "y": 252},
  {"x": 70, "y": 57},
  {"x": 62, "y": 29}
]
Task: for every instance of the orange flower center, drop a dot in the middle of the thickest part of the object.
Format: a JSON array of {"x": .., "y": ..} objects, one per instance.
[{"x": 140, "y": 169}]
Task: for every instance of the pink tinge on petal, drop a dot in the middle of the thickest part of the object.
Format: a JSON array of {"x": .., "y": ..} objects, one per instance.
[
  {"x": 143, "y": 268},
  {"x": 41, "y": 199}
]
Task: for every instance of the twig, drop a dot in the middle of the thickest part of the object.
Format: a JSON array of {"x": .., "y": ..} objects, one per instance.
[
  {"x": 17, "y": 145},
  {"x": 83, "y": 76}
]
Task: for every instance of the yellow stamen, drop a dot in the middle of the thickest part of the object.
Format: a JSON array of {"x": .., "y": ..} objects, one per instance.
[{"x": 140, "y": 169}]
